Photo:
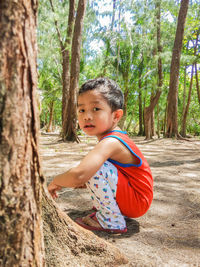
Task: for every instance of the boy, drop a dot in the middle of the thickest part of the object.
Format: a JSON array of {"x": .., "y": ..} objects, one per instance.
[{"x": 115, "y": 171}]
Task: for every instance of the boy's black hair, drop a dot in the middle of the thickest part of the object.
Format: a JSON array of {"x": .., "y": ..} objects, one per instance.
[{"x": 108, "y": 89}]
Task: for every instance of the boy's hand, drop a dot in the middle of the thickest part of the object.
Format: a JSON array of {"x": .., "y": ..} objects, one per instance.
[{"x": 52, "y": 188}]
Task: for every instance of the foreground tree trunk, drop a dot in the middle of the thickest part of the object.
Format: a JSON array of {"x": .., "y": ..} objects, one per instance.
[
  {"x": 172, "y": 108},
  {"x": 21, "y": 242},
  {"x": 21, "y": 181}
]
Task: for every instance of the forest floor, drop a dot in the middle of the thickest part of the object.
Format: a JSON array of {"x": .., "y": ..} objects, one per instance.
[{"x": 169, "y": 233}]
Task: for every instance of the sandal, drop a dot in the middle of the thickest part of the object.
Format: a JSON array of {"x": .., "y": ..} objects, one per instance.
[{"x": 80, "y": 222}]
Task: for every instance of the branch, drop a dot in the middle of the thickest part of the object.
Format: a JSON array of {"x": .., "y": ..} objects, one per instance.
[{"x": 57, "y": 29}]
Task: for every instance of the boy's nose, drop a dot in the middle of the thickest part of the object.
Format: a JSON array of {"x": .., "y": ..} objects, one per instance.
[{"x": 88, "y": 116}]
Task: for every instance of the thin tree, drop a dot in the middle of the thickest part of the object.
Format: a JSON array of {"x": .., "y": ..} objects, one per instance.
[
  {"x": 21, "y": 181},
  {"x": 197, "y": 82},
  {"x": 148, "y": 111},
  {"x": 124, "y": 70},
  {"x": 172, "y": 107},
  {"x": 195, "y": 65},
  {"x": 140, "y": 69},
  {"x": 186, "y": 110},
  {"x": 107, "y": 40},
  {"x": 65, "y": 48},
  {"x": 185, "y": 79},
  {"x": 70, "y": 118}
]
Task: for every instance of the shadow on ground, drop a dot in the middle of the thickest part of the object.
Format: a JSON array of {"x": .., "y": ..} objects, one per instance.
[{"x": 132, "y": 225}]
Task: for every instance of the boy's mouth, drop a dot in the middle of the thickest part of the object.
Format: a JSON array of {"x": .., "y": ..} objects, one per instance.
[{"x": 88, "y": 126}]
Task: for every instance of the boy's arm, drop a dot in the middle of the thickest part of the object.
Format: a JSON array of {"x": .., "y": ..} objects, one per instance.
[{"x": 91, "y": 163}]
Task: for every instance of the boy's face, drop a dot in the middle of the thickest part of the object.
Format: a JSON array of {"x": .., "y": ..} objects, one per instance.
[{"x": 95, "y": 115}]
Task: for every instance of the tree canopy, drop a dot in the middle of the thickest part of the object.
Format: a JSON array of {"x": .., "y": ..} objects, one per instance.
[{"x": 120, "y": 41}]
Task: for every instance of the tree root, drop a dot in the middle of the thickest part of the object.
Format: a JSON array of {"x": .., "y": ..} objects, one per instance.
[{"x": 67, "y": 244}]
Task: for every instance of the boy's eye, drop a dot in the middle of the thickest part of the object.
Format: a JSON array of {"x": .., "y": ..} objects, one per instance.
[
  {"x": 96, "y": 109},
  {"x": 81, "y": 110}
]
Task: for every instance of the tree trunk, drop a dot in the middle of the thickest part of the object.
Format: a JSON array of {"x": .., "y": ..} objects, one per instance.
[
  {"x": 66, "y": 59},
  {"x": 131, "y": 119},
  {"x": 50, "y": 124},
  {"x": 183, "y": 128},
  {"x": 195, "y": 65},
  {"x": 148, "y": 111},
  {"x": 118, "y": 41},
  {"x": 65, "y": 52},
  {"x": 126, "y": 92},
  {"x": 153, "y": 123},
  {"x": 70, "y": 122},
  {"x": 186, "y": 109},
  {"x": 172, "y": 108},
  {"x": 165, "y": 120},
  {"x": 21, "y": 242},
  {"x": 158, "y": 120},
  {"x": 184, "y": 86},
  {"x": 197, "y": 82},
  {"x": 107, "y": 41},
  {"x": 184, "y": 89},
  {"x": 140, "y": 106},
  {"x": 68, "y": 244},
  {"x": 21, "y": 181}
]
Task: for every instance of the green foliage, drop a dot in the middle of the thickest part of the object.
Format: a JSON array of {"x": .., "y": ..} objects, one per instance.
[{"x": 126, "y": 49}]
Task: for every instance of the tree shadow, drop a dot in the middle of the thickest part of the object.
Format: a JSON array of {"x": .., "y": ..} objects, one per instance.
[{"x": 173, "y": 163}]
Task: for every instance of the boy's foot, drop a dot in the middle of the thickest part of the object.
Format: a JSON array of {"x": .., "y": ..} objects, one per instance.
[{"x": 90, "y": 222}]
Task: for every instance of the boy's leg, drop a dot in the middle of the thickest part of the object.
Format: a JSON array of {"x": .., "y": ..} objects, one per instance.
[{"x": 102, "y": 187}]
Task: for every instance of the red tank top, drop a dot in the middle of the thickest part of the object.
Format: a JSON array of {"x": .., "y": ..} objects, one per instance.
[{"x": 135, "y": 182}]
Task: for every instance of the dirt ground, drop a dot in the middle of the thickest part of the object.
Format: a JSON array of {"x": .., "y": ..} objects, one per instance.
[{"x": 169, "y": 233}]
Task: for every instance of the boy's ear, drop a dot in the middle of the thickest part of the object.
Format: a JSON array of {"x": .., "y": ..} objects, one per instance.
[{"x": 118, "y": 114}]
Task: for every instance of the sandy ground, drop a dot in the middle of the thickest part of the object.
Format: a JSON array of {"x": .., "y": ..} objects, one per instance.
[{"x": 169, "y": 233}]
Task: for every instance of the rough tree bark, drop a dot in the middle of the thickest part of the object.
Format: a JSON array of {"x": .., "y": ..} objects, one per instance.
[
  {"x": 21, "y": 242},
  {"x": 172, "y": 108},
  {"x": 21, "y": 181}
]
